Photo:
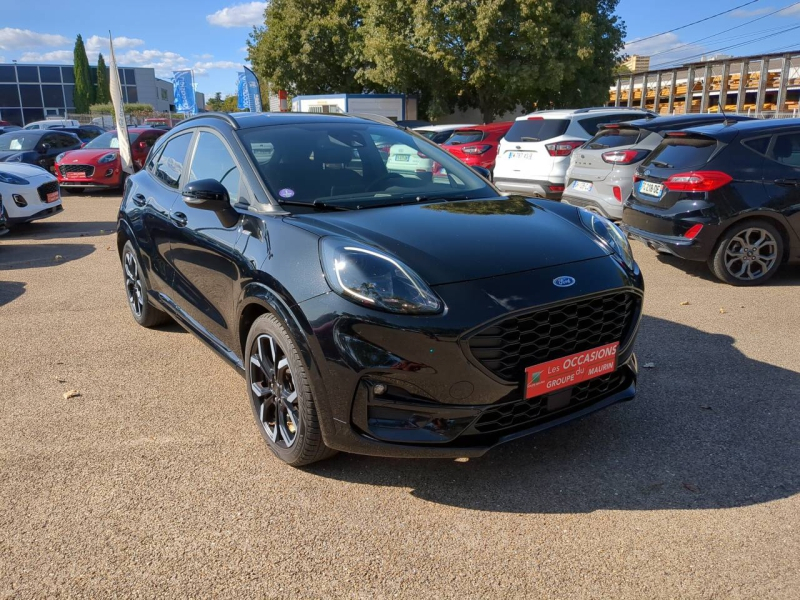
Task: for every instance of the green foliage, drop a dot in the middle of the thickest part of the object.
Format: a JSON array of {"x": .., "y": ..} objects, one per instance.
[
  {"x": 230, "y": 104},
  {"x": 489, "y": 54},
  {"x": 83, "y": 95},
  {"x": 103, "y": 95},
  {"x": 215, "y": 103},
  {"x": 130, "y": 109}
]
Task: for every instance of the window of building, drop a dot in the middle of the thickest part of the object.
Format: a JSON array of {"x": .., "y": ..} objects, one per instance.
[
  {"x": 50, "y": 74},
  {"x": 28, "y": 74},
  {"x": 53, "y": 95},
  {"x": 31, "y": 96},
  {"x": 163, "y": 93},
  {"x": 9, "y": 95},
  {"x": 7, "y": 74},
  {"x": 33, "y": 114},
  {"x": 130, "y": 77},
  {"x": 133, "y": 93},
  {"x": 68, "y": 75},
  {"x": 69, "y": 91},
  {"x": 169, "y": 167}
]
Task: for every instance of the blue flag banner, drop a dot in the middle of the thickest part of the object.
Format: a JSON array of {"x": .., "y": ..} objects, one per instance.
[
  {"x": 184, "y": 91},
  {"x": 253, "y": 91},
  {"x": 241, "y": 90}
]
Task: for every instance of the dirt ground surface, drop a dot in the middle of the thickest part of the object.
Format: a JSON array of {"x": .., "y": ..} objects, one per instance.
[{"x": 154, "y": 481}]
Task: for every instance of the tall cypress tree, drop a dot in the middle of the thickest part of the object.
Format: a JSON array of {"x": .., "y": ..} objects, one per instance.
[
  {"x": 84, "y": 90},
  {"x": 103, "y": 92}
]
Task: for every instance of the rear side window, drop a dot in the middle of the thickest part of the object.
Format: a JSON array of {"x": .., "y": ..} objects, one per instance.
[
  {"x": 591, "y": 125},
  {"x": 614, "y": 138},
  {"x": 760, "y": 145},
  {"x": 169, "y": 167},
  {"x": 683, "y": 153},
  {"x": 536, "y": 130},
  {"x": 786, "y": 149},
  {"x": 465, "y": 137}
]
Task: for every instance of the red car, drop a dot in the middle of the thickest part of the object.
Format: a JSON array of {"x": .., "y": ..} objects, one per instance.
[
  {"x": 477, "y": 145},
  {"x": 97, "y": 165}
]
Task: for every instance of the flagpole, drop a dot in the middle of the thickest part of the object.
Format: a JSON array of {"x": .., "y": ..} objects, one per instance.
[{"x": 115, "y": 87}]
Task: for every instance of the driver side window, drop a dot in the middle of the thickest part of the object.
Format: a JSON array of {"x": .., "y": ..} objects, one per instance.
[{"x": 212, "y": 160}]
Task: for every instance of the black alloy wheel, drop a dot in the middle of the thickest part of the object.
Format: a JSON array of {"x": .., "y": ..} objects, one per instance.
[
  {"x": 748, "y": 254},
  {"x": 280, "y": 395},
  {"x": 144, "y": 313}
]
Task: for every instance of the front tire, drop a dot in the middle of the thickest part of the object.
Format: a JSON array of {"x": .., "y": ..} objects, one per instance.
[
  {"x": 280, "y": 395},
  {"x": 749, "y": 253},
  {"x": 143, "y": 311}
]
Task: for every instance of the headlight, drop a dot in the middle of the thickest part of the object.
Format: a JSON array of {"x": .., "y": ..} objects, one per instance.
[
  {"x": 60, "y": 157},
  {"x": 611, "y": 235},
  {"x": 366, "y": 276},
  {"x": 12, "y": 179},
  {"x": 107, "y": 158}
]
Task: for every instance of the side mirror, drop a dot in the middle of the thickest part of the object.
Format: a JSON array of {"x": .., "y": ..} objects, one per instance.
[
  {"x": 483, "y": 172},
  {"x": 83, "y": 144},
  {"x": 206, "y": 194},
  {"x": 44, "y": 148}
]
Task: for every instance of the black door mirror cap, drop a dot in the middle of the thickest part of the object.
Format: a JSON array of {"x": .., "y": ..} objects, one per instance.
[
  {"x": 44, "y": 148},
  {"x": 206, "y": 194}
]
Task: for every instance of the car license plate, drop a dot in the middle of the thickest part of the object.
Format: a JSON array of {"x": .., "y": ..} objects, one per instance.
[
  {"x": 582, "y": 186},
  {"x": 75, "y": 175},
  {"x": 520, "y": 155},
  {"x": 51, "y": 197},
  {"x": 568, "y": 371},
  {"x": 401, "y": 157},
  {"x": 650, "y": 189}
]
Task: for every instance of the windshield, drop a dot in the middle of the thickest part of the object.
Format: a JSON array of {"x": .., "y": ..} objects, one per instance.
[
  {"x": 19, "y": 140},
  {"x": 109, "y": 140},
  {"x": 536, "y": 129},
  {"x": 357, "y": 165}
]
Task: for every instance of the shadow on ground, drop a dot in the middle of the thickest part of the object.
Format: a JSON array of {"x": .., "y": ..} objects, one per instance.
[
  {"x": 10, "y": 291},
  {"x": 47, "y": 230},
  {"x": 787, "y": 275},
  {"x": 31, "y": 256},
  {"x": 711, "y": 428}
]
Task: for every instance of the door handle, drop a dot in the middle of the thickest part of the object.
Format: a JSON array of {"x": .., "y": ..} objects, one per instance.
[
  {"x": 179, "y": 219},
  {"x": 139, "y": 199},
  {"x": 788, "y": 182}
]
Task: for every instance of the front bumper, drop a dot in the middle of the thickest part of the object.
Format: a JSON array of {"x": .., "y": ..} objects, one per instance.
[
  {"x": 437, "y": 399},
  {"x": 104, "y": 177},
  {"x": 39, "y": 214}
]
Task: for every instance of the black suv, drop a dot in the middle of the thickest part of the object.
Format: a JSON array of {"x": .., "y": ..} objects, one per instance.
[
  {"x": 723, "y": 194},
  {"x": 370, "y": 311}
]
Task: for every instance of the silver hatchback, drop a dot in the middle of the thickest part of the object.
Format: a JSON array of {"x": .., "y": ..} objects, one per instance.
[{"x": 600, "y": 175}]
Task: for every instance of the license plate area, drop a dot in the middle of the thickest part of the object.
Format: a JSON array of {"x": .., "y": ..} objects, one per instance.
[
  {"x": 75, "y": 175},
  {"x": 51, "y": 197},
  {"x": 401, "y": 157},
  {"x": 514, "y": 155},
  {"x": 565, "y": 372},
  {"x": 582, "y": 186},
  {"x": 648, "y": 188}
]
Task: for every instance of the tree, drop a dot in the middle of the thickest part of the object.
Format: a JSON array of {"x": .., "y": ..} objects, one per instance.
[
  {"x": 215, "y": 103},
  {"x": 83, "y": 95},
  {"x": 230, "y": 104},
  {"x": 103, "y": 92},
  {"x": 490, "y": 54}
]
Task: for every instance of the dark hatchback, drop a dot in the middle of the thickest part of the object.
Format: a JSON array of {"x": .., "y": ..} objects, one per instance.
[
  {"x": 36, "y": 146},
  {"x": 372, "y": 312},
  {"x": 727, "y": 195}
]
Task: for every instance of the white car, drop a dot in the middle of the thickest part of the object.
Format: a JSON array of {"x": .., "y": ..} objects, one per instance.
[
  {"x": 439, "y": 134},
  {"x": 534, "y": 155},
  {"x": 409, "y": 162},
  {"x": 28, "y": 193},
  {"x": 52, "y": 124}
]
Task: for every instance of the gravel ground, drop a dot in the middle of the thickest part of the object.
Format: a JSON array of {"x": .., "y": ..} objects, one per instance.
[{"x": 155, "y": 482}]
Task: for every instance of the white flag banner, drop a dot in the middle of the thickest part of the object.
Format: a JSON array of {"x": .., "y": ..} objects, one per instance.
[{"x": 119, "y": 113}]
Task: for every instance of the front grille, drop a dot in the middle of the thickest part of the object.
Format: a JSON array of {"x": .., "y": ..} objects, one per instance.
[
  {"x": 508, "y": 347},
  {"x": 87, "y": 170},
  {"x": 526, "y": 413},
  {"x": 47, "y": 188}
]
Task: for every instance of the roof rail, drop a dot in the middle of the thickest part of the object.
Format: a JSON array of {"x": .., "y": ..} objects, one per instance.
[
  {"x": 591, "y": 108},
  {"x": 375, "y": 118},
  {"x": 214, "y": 115}
]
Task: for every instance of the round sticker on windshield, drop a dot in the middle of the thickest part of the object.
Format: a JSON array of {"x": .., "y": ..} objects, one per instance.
[{"x": 286, "y": 193}]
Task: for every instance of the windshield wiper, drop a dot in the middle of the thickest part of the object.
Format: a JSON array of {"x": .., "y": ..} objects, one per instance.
[
  {"x": 399, "y": 201},
  {"x": 663, "y": 165},
  {"x": 529, "y": 139},
  {"x": 314, "y": 204}
]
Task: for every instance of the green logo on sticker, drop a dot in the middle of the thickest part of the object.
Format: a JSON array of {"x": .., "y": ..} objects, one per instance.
[{"x": 536, "y": 377}]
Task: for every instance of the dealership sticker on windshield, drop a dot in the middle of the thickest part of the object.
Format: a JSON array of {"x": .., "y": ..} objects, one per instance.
[
  {"x": 570, "y": 370},
  {"x": 286, "y": 193}
]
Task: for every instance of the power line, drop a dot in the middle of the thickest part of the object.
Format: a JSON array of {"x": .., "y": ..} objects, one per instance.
[
  {"x": 650, "y": 37},
  {"x": 725, "y": 30}
]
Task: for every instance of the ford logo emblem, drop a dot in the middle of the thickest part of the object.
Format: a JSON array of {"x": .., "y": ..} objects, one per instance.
[{"x": 564, "y": 281}]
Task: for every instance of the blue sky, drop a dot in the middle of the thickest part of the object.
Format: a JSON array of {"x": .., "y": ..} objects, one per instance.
[{"x": 210, "y": 35}]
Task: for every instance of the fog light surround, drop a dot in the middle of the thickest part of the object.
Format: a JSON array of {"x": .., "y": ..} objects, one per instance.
[{"x": 19, "y": 200}]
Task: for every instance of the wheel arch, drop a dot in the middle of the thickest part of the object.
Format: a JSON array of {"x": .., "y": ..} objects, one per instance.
[{"x": 773, "y": 218}]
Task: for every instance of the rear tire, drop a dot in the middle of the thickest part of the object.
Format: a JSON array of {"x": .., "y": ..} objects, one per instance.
[
  {"x": 749, "y": 253},
  {"x": 143, "y": 311},
  {"x": 280, "y": 395}
]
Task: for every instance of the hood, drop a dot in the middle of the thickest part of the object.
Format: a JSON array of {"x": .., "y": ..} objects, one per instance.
[
  {"x": 464, "y": 240},
  {"x": 86, "y": 155},
  {"x": 24, "y": 170},
  {"x": 6, "y": 154}
]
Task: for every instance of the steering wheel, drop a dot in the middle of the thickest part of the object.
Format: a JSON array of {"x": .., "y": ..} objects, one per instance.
[{"x": 373, "y": 187}]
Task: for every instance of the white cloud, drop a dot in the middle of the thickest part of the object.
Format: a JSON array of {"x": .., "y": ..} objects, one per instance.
[
  {"x": 55, "y": 56},
  {"x": 743, "y": 13},
  {"x": 239, "y": 15},
  {"x": 203, "y": 56},
  {"x": 201, "y": 68},
  {"x": 18, "y": 39},
  {"x": 98, "y": 43},
  {"x": 664, "y": 49},
  {"x": 244, "y": 49}
]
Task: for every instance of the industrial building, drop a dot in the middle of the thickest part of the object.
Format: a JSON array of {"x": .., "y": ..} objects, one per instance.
[{"x": 765, "y": 85}]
